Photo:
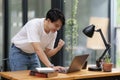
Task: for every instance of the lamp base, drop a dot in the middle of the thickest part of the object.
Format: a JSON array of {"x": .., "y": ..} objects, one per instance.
[{"x": 94, "y": 68}]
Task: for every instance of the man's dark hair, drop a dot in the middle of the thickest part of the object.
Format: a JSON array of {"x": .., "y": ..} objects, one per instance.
[{"x": 54, "y": 15}]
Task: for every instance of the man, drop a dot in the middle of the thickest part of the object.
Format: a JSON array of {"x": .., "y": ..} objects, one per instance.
[{"x": 36, "y": 40}]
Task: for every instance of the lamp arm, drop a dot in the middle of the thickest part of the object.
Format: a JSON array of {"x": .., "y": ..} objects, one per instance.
[
  {"x": 98, "y": 62},
  {"x": 103, "y": 38}
]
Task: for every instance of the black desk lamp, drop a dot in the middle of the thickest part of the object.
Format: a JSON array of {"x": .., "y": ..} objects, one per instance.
[{"x": 89, "y": 31}]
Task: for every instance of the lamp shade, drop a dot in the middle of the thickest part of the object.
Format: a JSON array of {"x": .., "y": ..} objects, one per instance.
[
  {"x": 96, "y": 41},
  {"x": 89, "y": 30}
]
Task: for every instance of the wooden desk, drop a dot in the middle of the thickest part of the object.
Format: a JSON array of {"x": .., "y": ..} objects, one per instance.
[{"x": 81, "y": 75}]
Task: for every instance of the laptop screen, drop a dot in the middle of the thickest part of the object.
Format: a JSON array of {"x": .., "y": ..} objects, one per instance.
[{"x": 77, "y": 63}]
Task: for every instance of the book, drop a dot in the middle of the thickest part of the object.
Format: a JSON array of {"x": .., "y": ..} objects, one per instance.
[
  {"x": 43, "y": 74},
  {"x": 44, "y": 69}
]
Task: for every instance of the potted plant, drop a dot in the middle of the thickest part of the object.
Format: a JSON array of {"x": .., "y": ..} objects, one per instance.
[{"x": 107, "y": 65}]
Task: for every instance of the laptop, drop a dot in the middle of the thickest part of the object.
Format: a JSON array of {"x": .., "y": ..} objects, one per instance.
[{"x": 77, "y": 63}]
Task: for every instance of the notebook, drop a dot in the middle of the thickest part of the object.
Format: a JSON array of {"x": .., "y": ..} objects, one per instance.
[{"x": 77, "y": 63}]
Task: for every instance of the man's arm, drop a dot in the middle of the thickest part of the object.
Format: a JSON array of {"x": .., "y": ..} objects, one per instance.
[
  {"x": 39, "y": 51},
  {"x": 43, "y": 57},
  {"x": 52, "y": 52}
]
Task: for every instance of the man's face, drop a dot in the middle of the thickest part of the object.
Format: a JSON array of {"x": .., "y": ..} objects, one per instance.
[{"x": 55, "y": 26}]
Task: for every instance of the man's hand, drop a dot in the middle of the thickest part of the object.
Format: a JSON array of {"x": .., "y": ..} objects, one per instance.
[
  {"x": 51, "y": 52},
  {"x": 60, "y": 69},
  {"x": 60, "y": 44}
]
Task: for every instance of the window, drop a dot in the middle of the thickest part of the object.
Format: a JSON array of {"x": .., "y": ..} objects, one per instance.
[
  {"x": 117, "y": 27},
  {"x": 118, "y": 13},
  {"x": 117, "y": 47},
  {"x": 1, "y": 32},
  {"x": 38, "y": 8},
  {"x": 78, "y": 14},
  {"x": 15, "y": 16}
]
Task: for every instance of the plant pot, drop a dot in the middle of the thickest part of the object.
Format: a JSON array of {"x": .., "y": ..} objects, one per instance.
[{"x": 107, "y": 67}]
